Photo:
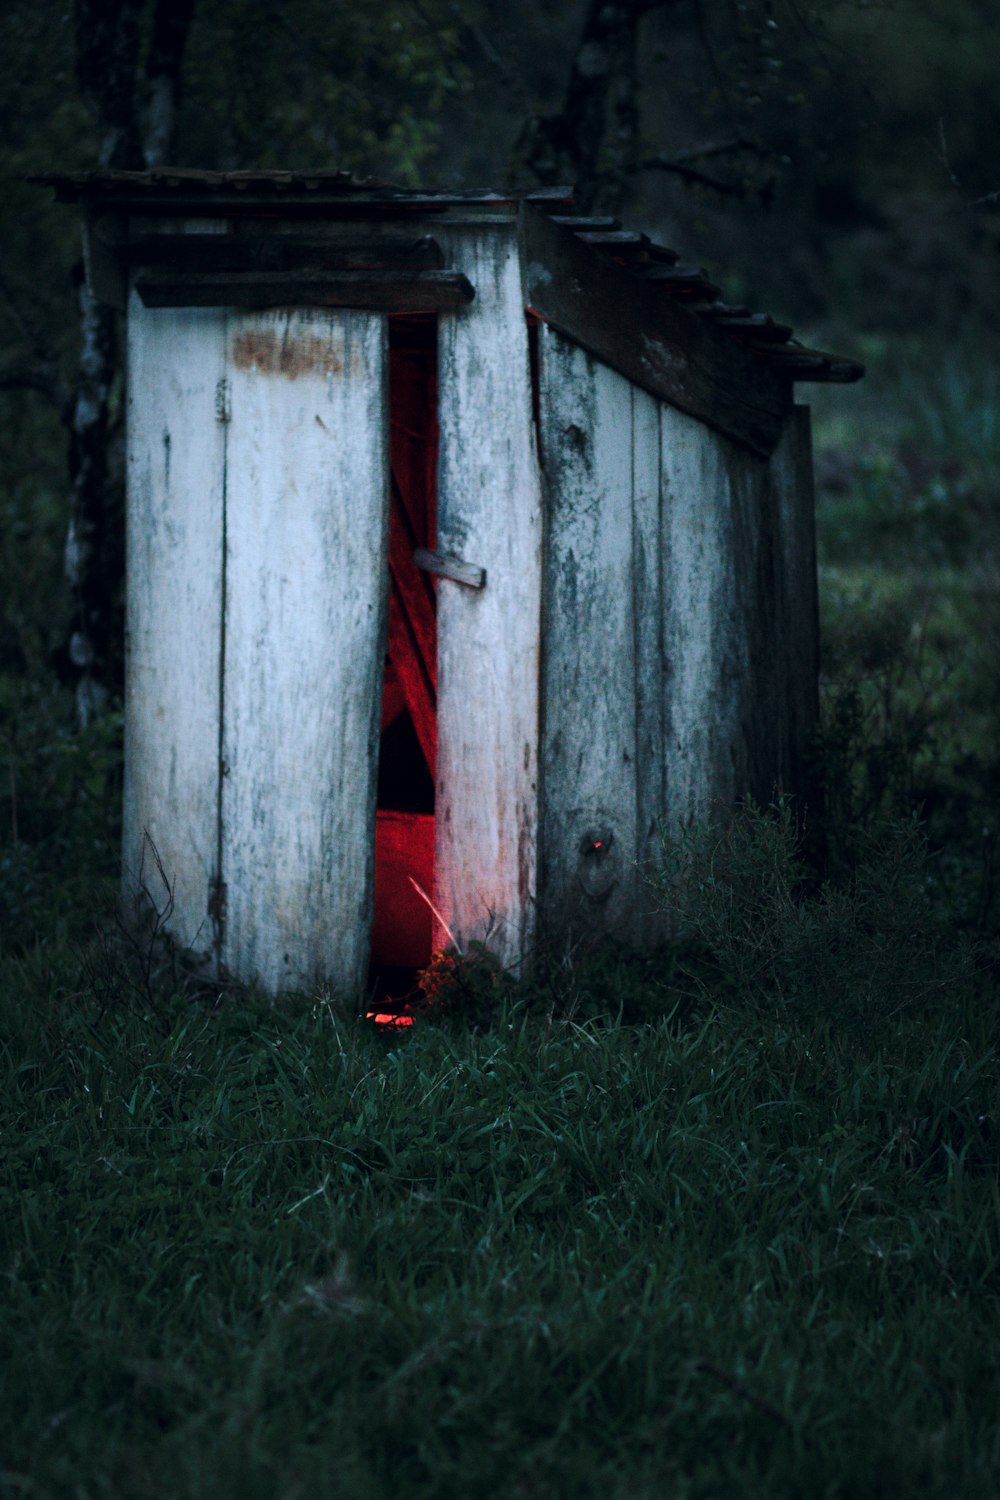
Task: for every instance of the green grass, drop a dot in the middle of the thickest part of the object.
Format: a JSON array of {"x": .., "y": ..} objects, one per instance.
[
  {"x": 908, "y": 520},
  {"x": 250, "y": 1250},
  {"x": 724, "y": 1221}
]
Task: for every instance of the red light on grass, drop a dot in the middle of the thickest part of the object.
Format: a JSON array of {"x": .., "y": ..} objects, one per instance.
[{"x": 387, "y": 1019}]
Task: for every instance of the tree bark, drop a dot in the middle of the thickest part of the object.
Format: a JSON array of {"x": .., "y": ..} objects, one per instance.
[
  {"x": 571, "y": 145},
  {"x": 593, "y": 140},
  {"x": 171, "y": 24},
  {"x": 135, "y": 111},
  {"x": 94, "y": 558}
]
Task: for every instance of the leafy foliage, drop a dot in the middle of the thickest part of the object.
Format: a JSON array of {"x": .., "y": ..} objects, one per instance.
[
  {"x": 360, "y": 87},
  {"x": 909, "y": 531}
]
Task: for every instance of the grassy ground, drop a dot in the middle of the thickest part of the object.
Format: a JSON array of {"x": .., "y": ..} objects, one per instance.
[
  {"x": 909, "y": 534},
  {"x": 721, "y": 1222},
  {"x": 249, "y": 1251}
]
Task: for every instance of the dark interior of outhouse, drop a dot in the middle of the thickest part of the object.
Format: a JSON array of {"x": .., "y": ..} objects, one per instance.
[{"x": 404, "y": 841}]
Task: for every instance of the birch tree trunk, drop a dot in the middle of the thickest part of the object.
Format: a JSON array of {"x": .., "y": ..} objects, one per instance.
[{"x": 135, "y": 108}]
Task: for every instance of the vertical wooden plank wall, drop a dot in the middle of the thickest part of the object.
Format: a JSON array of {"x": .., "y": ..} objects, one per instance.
[
  {"x": 678, "y": 659},
  {"x": 489, "y": 513},
  {"x": 176, "y": 467},
  {"x": 306, "y": 582},
  {"x": 589, "y": 720},
  {"x": 710, "y": 546},
  {"x": 677, "y": 589},
  {"x": 739, "y": 632},
  {"x": 650, "y": 924}
]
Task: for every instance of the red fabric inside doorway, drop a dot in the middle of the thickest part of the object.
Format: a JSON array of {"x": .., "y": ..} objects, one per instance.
[{"x": 404, "y": 842}]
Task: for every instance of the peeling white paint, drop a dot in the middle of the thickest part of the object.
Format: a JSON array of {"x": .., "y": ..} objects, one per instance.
[
  {"x": 306, "y": 600},
  {"x": 489, "y": 509},
  {"x": 173, "y": 608}
]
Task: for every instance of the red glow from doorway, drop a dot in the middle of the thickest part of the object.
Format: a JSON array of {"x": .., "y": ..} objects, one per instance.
[
  {"x": 388, "y": 1020},
  {"x": 404, "y": 852}
]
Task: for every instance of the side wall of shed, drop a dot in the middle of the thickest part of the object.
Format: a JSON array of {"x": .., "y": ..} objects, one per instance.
[
  {"x": 679, "y": 650},
  {"x": 741, "y": 627}
]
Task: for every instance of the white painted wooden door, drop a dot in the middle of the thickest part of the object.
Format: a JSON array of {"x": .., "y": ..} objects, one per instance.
[
  {"x": 307, "y": 491},
  {"x": 258, "y": 514}
]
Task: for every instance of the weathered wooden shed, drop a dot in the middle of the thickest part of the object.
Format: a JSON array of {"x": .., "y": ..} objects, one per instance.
[{"x": 469, "y": 542}]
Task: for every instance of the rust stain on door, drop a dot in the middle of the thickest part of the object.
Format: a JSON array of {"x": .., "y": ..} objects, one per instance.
[{"x": 271, "y": 353}]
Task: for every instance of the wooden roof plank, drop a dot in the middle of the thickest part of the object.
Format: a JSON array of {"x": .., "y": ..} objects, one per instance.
[
  {"x": 680, "y": 279},
  {"x": 580, "y": 221},
  {"x": 813, "y": 364},
  {"x": 615, "y": 238},
  {"x": 758, "y": 327},
  {"x": 376, "y": 291},
  {"x": 299, "y": 202},
  {"x": 274, "y": 252},
  {"x": 174, "y": 187},
  {"x": 647, "y": 337}
]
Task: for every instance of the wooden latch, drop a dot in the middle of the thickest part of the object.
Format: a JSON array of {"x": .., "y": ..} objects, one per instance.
[{"x": 445, "y": 565}]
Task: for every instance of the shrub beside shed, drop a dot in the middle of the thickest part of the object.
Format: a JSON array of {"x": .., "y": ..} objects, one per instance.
[{"x": 469, "y": 542}]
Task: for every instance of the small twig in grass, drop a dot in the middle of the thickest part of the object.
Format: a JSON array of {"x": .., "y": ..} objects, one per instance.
[
  {"x": 145, "y": 952},
  {"x": 316, "y": 1193},
  {"x": 442, "y": 1080},
  {"x": 311, "y": 1140},
  {"x": 424, "y": 897},
  {"x": 740, "y": 1387}
]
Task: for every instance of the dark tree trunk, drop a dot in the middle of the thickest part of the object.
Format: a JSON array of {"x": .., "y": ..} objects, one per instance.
[
  {"x": 171, "y": 24},
  {"x": 135, "y": 114},
  {"x": 574, "y": 144},
  {"x": 95, "y": 540}
]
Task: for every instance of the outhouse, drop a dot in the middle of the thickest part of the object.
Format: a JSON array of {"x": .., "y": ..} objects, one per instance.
[{"x": 469, "y": 543}]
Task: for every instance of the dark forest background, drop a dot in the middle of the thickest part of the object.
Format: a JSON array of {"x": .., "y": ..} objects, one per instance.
[
  {"x": 718, "y": 1220},
  {"x": 830, "y": 164}
]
